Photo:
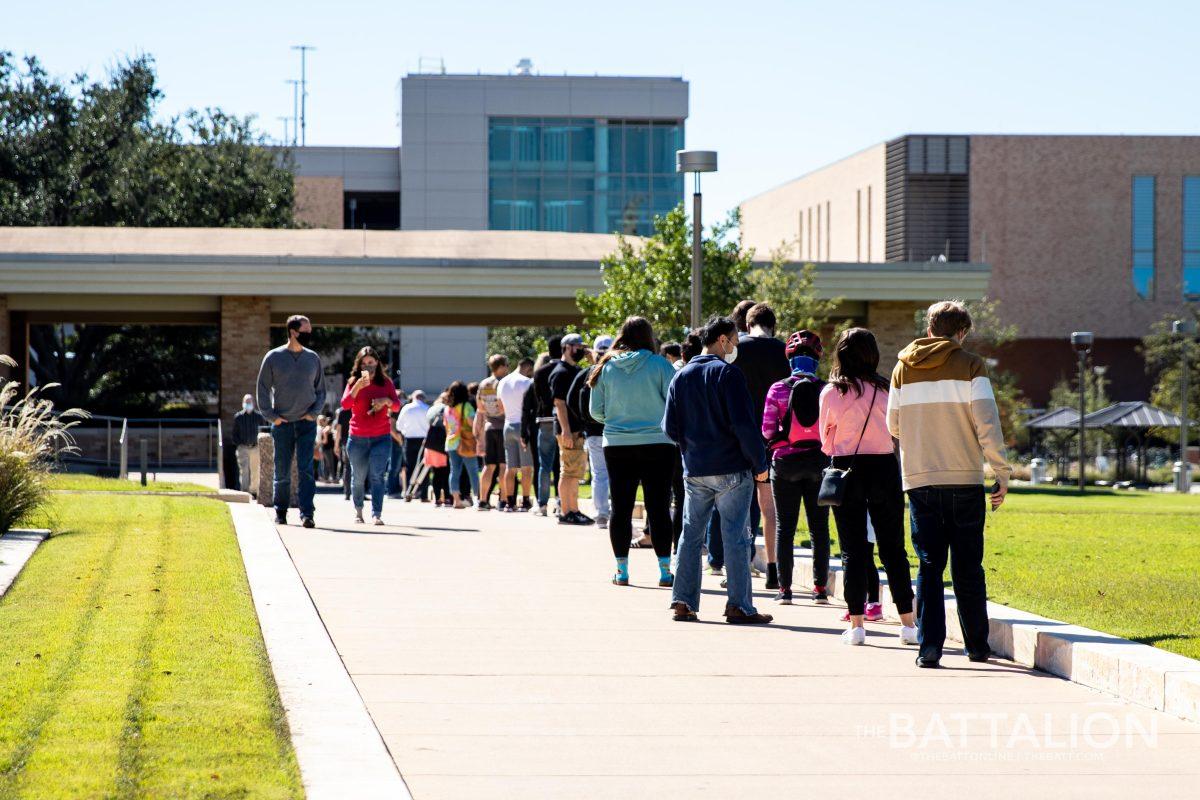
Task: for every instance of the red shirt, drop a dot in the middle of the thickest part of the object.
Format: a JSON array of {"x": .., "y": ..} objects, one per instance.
[{"x": 363, "y": 423}]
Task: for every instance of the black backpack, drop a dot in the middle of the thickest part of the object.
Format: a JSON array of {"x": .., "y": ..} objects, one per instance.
[
  {"x": 435, "y": 437},
  {"x": 799, "y": 426}
]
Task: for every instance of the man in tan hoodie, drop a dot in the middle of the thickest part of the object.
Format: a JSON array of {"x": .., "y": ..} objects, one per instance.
[{"x": 942, "y": 410}]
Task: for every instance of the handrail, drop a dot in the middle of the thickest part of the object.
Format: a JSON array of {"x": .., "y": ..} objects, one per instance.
[
  {"x": 220, "y": 457},
  {"x": 123, "y": 472}
]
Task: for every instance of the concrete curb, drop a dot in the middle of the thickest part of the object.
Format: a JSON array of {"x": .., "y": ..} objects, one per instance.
[
  {"x": 1134, "y": 672},
  {"x": 16, "y": 548},
  {"x": 340, "y": 751}
]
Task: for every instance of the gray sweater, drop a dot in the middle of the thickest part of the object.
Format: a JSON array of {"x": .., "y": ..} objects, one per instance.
[{"x": 290, "y": 385}]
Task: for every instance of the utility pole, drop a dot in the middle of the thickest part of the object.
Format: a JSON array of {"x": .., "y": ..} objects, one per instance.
[
  {"x": 295, "y": 108},
  {"x": 303, "y": 48}
]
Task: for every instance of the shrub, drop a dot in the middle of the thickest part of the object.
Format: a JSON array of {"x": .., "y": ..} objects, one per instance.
[{"x": 31, "y": 436}]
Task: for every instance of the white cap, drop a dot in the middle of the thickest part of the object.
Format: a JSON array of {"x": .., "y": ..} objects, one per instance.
[{"x": 603, "y": 343}]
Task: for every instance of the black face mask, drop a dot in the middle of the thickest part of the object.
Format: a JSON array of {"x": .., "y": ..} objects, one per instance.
[{"x": 304, "y": 338}]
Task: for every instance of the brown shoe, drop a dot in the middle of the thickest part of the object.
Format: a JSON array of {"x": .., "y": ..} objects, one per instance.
[
  {"x": 683, "y": 613},
  {"x": 735, "y": 616}
]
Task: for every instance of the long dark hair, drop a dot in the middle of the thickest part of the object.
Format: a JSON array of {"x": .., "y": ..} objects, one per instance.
[
  {"x": 636, "y": 334},
  {"x": 457, "y": 394},
  {"x": 380, "y": 370},
  {"x": 856, "y": 362}
]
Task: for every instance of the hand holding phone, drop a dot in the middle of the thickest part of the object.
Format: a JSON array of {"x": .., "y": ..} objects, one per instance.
[{"x": 997, "y": 495}]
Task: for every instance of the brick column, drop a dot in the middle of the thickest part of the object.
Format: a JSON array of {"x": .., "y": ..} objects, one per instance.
[
  {"x": 245, "y": 338},
  {"x": 893, "y": 324}
]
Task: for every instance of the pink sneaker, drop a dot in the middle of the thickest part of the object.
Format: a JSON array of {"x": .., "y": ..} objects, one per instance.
[
  {"x": 873, "y": 612},
  {"x": 846, "y": 617}
]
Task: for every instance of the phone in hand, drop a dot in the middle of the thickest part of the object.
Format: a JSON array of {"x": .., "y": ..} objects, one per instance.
[{"x": 365, "y": 375}]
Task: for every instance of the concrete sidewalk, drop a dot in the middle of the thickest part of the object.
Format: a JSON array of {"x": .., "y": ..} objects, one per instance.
[{"x": 498, "y": 661}]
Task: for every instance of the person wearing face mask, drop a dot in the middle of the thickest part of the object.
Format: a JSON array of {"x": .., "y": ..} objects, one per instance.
[
  {"x": 371, "y": 397},
  {"x": 710, "y": 416},
  {"x": 245, "y": 438},
  {"x": 569, "y": 432},
  {"x": 291, "y": 392}
]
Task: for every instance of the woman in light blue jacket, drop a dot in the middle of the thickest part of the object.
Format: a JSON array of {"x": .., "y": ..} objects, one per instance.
[{"x": 629, "y": 395}]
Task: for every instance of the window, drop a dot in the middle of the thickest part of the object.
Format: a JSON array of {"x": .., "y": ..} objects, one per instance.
[
  {"x": 1191, "y": 237},
  {"x": 578, "y": 174},
  {"x": 1143, "y": 235}
]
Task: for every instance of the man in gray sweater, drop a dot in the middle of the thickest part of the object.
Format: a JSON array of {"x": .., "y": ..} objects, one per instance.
[{"x": 291, "y": 392}]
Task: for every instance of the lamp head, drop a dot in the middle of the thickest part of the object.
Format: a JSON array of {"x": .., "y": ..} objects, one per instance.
[
  {"x": 695, "y": 160},
  {"x": 1183, "y": 327},
  {"x": 1082, "y": 341}
]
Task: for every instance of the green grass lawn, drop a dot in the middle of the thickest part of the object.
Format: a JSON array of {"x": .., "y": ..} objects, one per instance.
[
  {"x": 131, "y": 661},
  {"x": 78, "y": 482},
  {"x": 1127, "y": 563}
]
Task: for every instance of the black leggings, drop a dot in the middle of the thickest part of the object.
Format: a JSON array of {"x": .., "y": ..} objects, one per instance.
[
  {"x": 441, "y": 484},
  {"x": 790, "y": 488},
  {"x": 649, "y": 465},
  {"x": 873, "y": 487}
]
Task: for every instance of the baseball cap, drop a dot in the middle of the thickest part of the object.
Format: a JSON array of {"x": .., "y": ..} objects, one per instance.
[
  {"x": 572, "y": 339},
  {"x": 603, "y": 343}
]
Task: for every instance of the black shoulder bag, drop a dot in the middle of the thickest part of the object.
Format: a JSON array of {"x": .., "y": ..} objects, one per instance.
[{"x": 833, "y": 479}]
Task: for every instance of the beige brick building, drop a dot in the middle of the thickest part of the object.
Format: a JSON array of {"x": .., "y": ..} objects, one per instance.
[{"x": 1060, "y": 220}]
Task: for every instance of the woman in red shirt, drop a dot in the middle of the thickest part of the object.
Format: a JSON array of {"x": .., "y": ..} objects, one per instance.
[{"x": 369, "y": 396}]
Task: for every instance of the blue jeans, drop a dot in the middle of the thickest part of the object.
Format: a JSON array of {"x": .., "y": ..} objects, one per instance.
[
  {"x": 369, "y": 457},
  {"x": 595, "y": 451},
  {"x": 712, "y": 537},
  {"x": 949, "y": 520},
  {"x": 395, "y": 463},
  {"x": 457, "y": 464},
  {"x": 547, "y": 447},
  {"x": 294, "y": 440},
  {"x": 729, "y": 494}
]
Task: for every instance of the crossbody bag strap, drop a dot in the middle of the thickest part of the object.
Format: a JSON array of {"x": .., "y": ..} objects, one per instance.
[{"x": 866, "y": 421}]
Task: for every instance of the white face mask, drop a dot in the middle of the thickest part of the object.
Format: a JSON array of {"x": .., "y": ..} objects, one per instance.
[
  {"x": 731, "y": 356},
  {"x": 247, "y": 406}
]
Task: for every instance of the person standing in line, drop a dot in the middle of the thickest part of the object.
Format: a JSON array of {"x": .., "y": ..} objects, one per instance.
[
  {"x": 629, "y": 396},
  {"x": 763, "y": 360},
  {"x": 547, "y": 443},
  {"x": 493, "y": 431},
  {"x": 518, "y": 459},
  {"x": 709, "y": 415},
  {"x": 579, "y": 399},
  {"x": 328, "y": 440},
  {"x": 790, "y": 426},
  {"x": 291, "y": 392},
  {"x": 412, "y": 423},
  {"x": 942, "y": 409},
  {"x": 436, "y": 456},
  {"x": 318, "y": 454},
  {"x": 370, "y": 396},
  {"x": 854, "y": 434},
  {"x": 460, "y": 442},
  {"x": 396, "y": 456},
  {"x": 245, "y": 439},
  {"x": 342, "y": 426},
  {"x": 673, "y": 352},
  {"x": 569, "y": 430}
]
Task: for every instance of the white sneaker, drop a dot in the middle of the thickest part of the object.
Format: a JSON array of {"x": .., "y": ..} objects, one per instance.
[
  {"x": 716, "y": 571},
  {"x": 855, "y": 636},
  {"x": 541, "y": 511},
  {"x": 908, "y": 635},
  {"x": 601, "y": 521}
]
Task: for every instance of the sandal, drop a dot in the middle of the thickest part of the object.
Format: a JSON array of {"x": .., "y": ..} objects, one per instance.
[{"x": 683, "y": 613}]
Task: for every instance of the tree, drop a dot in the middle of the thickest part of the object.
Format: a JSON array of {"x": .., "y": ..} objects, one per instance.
[
  {"x": 653, "y": 278},
  {"x": 1162, "y": 352},
  {"x": 515, "y": 343},
  {"x": 91, "y": 153},
  {"x": 791, "y": 295},
  {"x": 1095, "y": 397}
]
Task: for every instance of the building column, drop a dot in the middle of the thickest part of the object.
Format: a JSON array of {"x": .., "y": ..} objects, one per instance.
[
  {"x": 245, "y": 339},
  {"x": 894, "y": 325}
]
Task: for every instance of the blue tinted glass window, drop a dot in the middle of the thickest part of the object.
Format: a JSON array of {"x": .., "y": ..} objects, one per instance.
[
  {"x": 1143, "y": 235},
  {"x": 568, "y": 174},
  {"x": 1191, "y": 237}
]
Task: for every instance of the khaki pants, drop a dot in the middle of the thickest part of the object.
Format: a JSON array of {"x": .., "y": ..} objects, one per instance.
[{"x": 247, "y": 459}]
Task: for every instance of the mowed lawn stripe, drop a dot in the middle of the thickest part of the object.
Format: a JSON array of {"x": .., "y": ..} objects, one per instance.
[{"x": 162, "y": 687}]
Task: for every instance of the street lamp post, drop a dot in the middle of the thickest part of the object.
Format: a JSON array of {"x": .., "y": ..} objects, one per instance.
[
  {"x": 1185, "y": 329},
  {"x": 1082, "y": 342},
  {"x": 696, "y": 161}
]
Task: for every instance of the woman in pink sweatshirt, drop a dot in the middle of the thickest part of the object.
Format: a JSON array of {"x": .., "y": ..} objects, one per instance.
[{"x": 854, "y": 433}]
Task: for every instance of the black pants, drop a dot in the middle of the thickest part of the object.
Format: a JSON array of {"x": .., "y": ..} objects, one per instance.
[
  {"x": 412, "y": 448},
  {"x": 873, "y": 487},
  {"x": 649, "y": 465},
  {"x": 949, "y": 520},
  {"x": 441, "y": 484},
  {"x": 791, "y": 487}
]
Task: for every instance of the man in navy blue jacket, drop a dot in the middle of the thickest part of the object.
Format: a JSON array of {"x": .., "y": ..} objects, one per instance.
[{"x": 709, "y": 415}]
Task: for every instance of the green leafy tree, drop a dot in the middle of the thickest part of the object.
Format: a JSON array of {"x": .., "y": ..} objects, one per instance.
[
  {"x": 1163, "y": 353},
  {"x": 652, "y": 278},
  {"x": 91, "y": 153},
  {"x": 791, "y": 295},
  {"x": 516, "y": 342},
  {"x": 1065, "y": 393}
]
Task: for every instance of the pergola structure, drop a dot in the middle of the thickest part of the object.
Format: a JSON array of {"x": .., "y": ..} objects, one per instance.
[{"x": 1128, "y": 423}]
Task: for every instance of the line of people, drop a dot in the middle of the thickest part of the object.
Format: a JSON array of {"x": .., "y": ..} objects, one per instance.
[{"x": 728, "y": 433}]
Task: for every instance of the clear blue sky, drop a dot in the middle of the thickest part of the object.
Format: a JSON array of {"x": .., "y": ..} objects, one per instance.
[{"x": 779, "y": 88}]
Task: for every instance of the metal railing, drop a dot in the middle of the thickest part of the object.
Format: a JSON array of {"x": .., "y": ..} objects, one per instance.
[
  {"x": 123, "y": 470},
  {"x": 204, "y": 453}
]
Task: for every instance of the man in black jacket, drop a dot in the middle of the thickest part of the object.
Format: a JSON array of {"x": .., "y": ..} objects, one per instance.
[
  {"x": 245, "y": 438},
  {"x": 546, "y": 444}
]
